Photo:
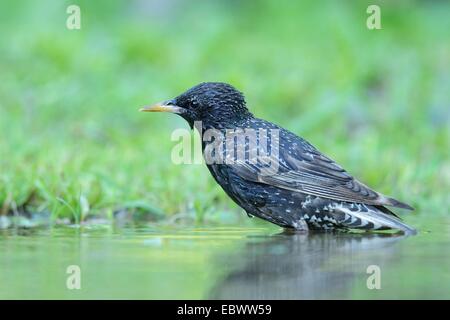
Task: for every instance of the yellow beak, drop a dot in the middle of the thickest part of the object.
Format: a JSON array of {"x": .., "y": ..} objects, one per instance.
[{"x": 161, "y": 107}]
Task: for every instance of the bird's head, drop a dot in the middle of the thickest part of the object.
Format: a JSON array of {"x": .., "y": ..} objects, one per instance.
[{"x": 214, "y": 103}]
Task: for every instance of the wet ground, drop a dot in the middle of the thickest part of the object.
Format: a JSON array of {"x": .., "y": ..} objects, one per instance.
[{"x": 225, "y": 263}]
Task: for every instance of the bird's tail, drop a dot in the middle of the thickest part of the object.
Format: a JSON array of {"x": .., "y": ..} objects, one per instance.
[{"x": 356, "y": 216}]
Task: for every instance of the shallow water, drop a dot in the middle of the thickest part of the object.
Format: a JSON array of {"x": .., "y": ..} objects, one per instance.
[{"x": 237, "y": 263}]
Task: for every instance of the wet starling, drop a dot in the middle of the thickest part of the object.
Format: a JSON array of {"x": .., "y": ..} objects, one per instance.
[{"x": 278, "y": 177}]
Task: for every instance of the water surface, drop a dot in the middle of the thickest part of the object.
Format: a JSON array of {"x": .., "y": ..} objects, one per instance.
[{"x": 223, "y": 263}]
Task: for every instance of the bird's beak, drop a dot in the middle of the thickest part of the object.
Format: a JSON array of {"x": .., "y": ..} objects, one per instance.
[{"x": 165, "y": 106}]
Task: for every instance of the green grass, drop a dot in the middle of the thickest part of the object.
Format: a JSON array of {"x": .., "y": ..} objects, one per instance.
[{"x": 73, "y": 144}]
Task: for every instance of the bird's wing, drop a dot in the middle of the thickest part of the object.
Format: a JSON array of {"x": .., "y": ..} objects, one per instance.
[{"x": 304, "y": 169}]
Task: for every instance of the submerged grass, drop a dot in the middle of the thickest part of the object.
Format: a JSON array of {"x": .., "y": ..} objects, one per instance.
[{"x": 73, "y": 144}]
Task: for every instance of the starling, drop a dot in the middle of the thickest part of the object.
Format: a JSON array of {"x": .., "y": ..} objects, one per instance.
[{"x": 272, "y": 173}]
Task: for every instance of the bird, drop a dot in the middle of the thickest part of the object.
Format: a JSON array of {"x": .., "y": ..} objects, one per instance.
[{"x": 278, "y": 176}]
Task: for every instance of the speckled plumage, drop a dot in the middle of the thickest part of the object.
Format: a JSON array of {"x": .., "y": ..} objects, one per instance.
[{"x": 308, "y": 190}]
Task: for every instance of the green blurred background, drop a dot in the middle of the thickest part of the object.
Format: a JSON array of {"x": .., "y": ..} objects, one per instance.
[{"x": 73, "y": 146}]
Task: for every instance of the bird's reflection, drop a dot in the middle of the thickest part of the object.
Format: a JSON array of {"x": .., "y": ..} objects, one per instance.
[{"x": 304, "y": 266}]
